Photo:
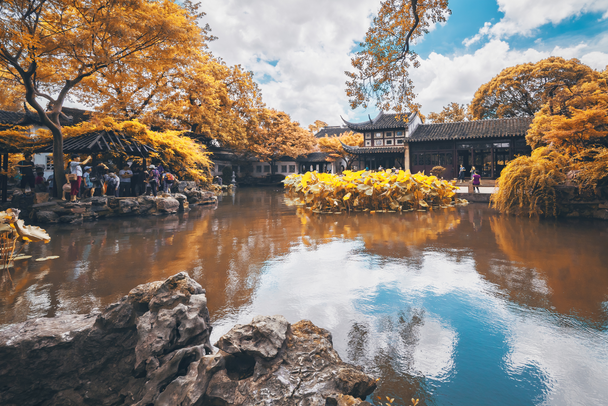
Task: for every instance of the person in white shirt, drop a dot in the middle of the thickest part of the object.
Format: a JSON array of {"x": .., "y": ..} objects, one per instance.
[
  {"x": 74, "y": 175},
  {"x": 125, "y": 180}
]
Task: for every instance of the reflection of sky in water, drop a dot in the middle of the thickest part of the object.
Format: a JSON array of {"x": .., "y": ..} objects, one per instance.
[
  {"x": 439, "y": 322},
  {"x": 458, "y": 306}
]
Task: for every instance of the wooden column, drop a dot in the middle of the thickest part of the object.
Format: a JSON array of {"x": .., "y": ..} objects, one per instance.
[
  {"x": 5, "y": 177},
  {"x": 406, "y": 158}
]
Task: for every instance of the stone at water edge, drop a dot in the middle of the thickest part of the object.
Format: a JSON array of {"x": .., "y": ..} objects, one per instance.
[
  {"x": 167, "y": 205},
  {"x": 305, "y": 370},
  {"x": 91, "y": 359},
  {"x": 152, "y": 347}
]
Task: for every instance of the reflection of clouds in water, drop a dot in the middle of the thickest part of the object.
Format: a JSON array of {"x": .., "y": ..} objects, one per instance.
[
  {"x": 361, "y": 300},
  {"x": 573, "y": 358},
  {"x": 334, "y": 296},
  {"x": 434, "y": 352}
]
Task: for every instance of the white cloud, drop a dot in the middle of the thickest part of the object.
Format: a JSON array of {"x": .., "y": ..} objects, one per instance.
[
  {"x": 523, "y": 17},
  {"x": 311, "y": 41},
  {"x": 443, "y": 79}
]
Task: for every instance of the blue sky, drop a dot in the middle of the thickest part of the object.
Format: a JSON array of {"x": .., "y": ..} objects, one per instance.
[{"x": 299, "y": 49}]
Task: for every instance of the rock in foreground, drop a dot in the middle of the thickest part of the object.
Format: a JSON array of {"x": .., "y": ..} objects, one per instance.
[{"x": 152, "y": 348}]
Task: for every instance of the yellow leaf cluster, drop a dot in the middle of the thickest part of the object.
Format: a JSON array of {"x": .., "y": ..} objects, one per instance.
[
  {"x": 451, "y": 113},
  {"x": 277, "y": 136},
  {"x": 522, "y": 90},
  {"x": 527, "y": 185},
  {"x": 569, "y": 136},
  {"x": 333, "y": 146},
  {"x": 383, "y": 191}
]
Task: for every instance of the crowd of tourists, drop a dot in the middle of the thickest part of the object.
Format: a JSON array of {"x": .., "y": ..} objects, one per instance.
[{"x": 104, "y": 179}]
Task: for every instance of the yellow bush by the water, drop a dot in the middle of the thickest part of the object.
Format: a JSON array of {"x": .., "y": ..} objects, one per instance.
[
  {"x": 527, "y": 185},
  {"x": 374, "y": 191}
]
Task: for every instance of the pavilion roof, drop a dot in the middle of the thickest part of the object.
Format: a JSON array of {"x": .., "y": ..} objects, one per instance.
[
  {"x": 383, "y": 121},
  {"x": 102, "y": 141}
]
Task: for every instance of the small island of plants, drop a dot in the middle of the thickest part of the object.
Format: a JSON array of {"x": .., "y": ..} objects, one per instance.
[{"x": 382, "y": 191}]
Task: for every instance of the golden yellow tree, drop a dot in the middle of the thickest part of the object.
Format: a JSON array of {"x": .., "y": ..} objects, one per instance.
[
  {"x": 52, "y": 46},
  {"x": 523, "y": 89},
  {"x": 317, "y": 126},
  {"x": 333, "y": 146},
  {"x": 214, "y": 102},
  {"x": 451, "y": 113},
  {"x": 383, "y": 62},
  {"x": 277, "y": 136},
  {"x": 569, "y": 136},
  {"x": 12, "y": 95}
]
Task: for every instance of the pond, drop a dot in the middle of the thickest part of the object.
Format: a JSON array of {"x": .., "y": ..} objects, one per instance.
[{"x": 456, "y": 307}]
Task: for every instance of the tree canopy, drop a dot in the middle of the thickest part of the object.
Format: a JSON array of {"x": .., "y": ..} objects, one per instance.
[
  {"x": 569, "y": 137},
  {"x": 51, "y": 47},
  {"x": 523, "y": 89},
  {"x": 381, "y": 66},
  {"x": 277, "y": 136},
  {"x": 333, "y": 146},
  {"x": 451, "y": 113}
]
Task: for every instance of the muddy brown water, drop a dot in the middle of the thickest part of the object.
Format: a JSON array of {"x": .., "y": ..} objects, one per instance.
[{"x": 456, "y": 307}]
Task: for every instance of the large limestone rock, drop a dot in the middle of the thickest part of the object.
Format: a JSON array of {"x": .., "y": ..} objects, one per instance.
[
  {"x": 152, "y": 348},
  {"x": 137, "y": 345},
  {"x": 269, "y": 362}
]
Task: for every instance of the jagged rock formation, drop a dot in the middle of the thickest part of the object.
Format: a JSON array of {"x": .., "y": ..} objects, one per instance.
[{"x": 152, "y": 348}]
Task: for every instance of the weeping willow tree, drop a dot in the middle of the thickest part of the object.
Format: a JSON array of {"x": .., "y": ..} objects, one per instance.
[{"x": 569, "y": 137}]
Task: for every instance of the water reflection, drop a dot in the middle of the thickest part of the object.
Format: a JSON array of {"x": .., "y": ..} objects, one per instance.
[{"x": 458, "y": 306}]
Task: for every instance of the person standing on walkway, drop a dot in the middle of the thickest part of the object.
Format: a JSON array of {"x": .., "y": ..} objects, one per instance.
[
  {"x": 461, "y": 173},
  {"x": 125, "y": 180},
  {"x": 74, "y": 175},
  {"x": 476, "y": 181},
  {"x": 26, "y": 167}
]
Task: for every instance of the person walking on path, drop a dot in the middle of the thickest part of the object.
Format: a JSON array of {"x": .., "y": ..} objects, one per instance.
[
  {"x": 125, "y": 180},
  {"x": 74, "y": 175},
  {"x": 26, "y": 168},
  {"x": 476, "y": 182},
  {"x": 461, "y": 173}
]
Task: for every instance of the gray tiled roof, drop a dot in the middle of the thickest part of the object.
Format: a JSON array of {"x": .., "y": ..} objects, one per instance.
[
  {"x": 10, "y": 117},
  {"x": 102, "y": 141},
  {"x": 313, "y": 157},
  {"x": 383, "y": 121},
  {"x": 332, "y": 131},
  {"x": 495, "y": 128}
]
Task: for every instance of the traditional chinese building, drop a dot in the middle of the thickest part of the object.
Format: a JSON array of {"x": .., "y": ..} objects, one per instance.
[{"x": 486, "y": 144}]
